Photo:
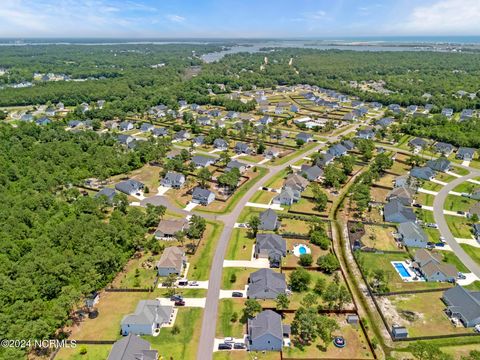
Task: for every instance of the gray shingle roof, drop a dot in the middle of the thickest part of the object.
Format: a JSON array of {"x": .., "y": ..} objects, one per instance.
[
  {"x": 266, "y": 322},
  {"x": 129, "y": 186},
  {"x": 395, "y": 211},
  {"x": 132, "y": 347},
  {"x": 268, "y": 220},
  {"x": 148, "y": 312},
  {"x": 464, "y": 302},
  {"x": 440, "y": 164},
  {"x": 410, "y": 230},
  {"x": 266, "y": 284},
  {"x": 424, "y": 173}
]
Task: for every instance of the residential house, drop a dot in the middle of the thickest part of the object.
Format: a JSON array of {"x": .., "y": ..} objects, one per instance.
[
  {"x": 202, "y": 161},
  {"x": 265, "y": 332},
  {"x": 417, "y": 143},
  {"x": 447, "y": 112},
  {"x": 234, "y": 164},
  {"x": 412, "y": 235},
  {"x": 304, "y": 137},
  {"x": 287, "y": 196},
  {"x": 50, "y": 111},
  {"x": 348, "y": 144},
  {"x": 294, "y": 108},
  {"x": 475, "y": 194},
  {"x": 312, "y": 173},
  {"x": 100, "y": 104},
  {"x": 157, "y": 132},
  {"x": 368, "y": 133},
  {"x": 147, "y": 319},
  {"x": 375, "y": 105},
  {"x": 73, "y": 124},
  {"x": 202, "y": 196},
  {"x": 108, "y": 193},
  {"x": 242, "y": 148},
  {"x": 466, "y": 114},
  {"x": 125, "y": 126},
  {"x": 432, "y": 268},
  {"x": 351, "y": 116},
  {"x": 441, "y": 164},
  {"x": 220, "y": 144},
  {"x": 463, "y": 304},
  {"x": 130, "y": 187},
  {"x": 231, "y": 115},
  {"x": 403, "y": 194},
  {"x": 199, "y": 140},
  {"x": 43, "y": 121},
  {"x": 272, "y": 247},
  {"x": 423, "y": 173},
  {"x": 173, "y": 179},
  {"x": 181, "y": 135},
  {"x": 204, "y": 121},
  {"x": 125, "y": 139},
  {"x": 27, "y": 117},
  {"x": 173, "y": 258},
  {"x": 271, "y": 153},
  {"x": 266, "y": 284},
  {"x": 405, "y": 181},
  {"x": 265, "y": 120},
  {"x": 412, "y": 108},
  {"x": 111, "y": 125},
  {"x": 146, "y": 127},
  {"x": 385, "y": 122},
  {"x": 465, "y": 154},
  {"x": 444, "y": 148},
  {"x": 132, "y": 347},
  {"x": 182, "y": 103},
  {"x": 394, "y": 211},
  {"x": 296, "y": 182},
  {"x": 476, "y": 231},
  {"x": 337, "y": 150},
  {"x": 268, "y": 220},
  {"x": 474, "y": 210},
  {"x": 324, "y": 159}
]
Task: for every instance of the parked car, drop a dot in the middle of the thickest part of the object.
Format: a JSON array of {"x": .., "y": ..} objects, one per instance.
[
  {"x": 183, "y": 282},
  {"x": 417, "y": 205},
  {"x": 237, "y": 294},
  {"x": 440, "y": 244},
  {"x": 224, "y": 346},
  {"x": 430, "y": 245},
  {"x": 432, "y": 225},
  {"x": 461, "y": 276},
  {"x": 442, "y": 239},
  {"x": 180, "y": 303},
  {"x": 176, "y": 298},
  {"x": 477, "y": 328},
  {"x": 461, "y": 212},
  {"x": 239, "y": 346},
  {"x": 228, "y": 340},
  {"x": 193, "y": 283}
]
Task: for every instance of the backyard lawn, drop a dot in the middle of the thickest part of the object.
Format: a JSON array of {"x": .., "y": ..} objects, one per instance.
[
  {"x": 94, "y": 352},
  {"x": 242, "y": 355},
  {"x": 357, "y": 346},
  {"x": 139, "y": 273},
  {"x": 426, "y": 317},
  {"x": 294, "y": 226},
  {"x": 380, "y": 238}
]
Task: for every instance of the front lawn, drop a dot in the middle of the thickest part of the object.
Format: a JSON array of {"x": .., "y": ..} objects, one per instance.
[
  {"x": 201, "y": 261},
  {"x": 458, "y": 203},
  {"x": 184, "y": 344},
  {"x": 240, "y": 245},
  {"x": 473, "y": 252},
  {"x": 459, "y": 226}
]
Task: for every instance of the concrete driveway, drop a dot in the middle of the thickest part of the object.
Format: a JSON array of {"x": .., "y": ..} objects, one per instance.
[{"x": 189, "y": 302}]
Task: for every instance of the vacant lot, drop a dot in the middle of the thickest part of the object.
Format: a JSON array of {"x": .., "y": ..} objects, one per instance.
[
  {"x": 459, "y": 226},
  {"x": 236, "y": 278},
  {"x": 263, "y": 197},
  {"x": 473, "y": 252},
  {"x": 226, "y": 326},
  {"x": 94, "y": 352},
  {"x": 458, "y": 203}
]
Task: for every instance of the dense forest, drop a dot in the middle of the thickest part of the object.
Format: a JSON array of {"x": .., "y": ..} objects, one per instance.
[
  {"x": 55, "y": 243},
  {"x": 134, "y": 85}
]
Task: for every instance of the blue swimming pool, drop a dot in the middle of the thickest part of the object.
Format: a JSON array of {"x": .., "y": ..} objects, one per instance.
[
  {"x": 302, "y": 250},
  {"x": 402, "y": 270}
]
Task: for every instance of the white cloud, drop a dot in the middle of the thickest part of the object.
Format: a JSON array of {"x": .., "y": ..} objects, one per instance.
[
  {"x": 450, "y": 17},
  {"x": 175, "y": 18}
]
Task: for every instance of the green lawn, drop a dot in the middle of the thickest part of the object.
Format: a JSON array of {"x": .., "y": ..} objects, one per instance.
[
  {"x": 241, "y": 278},
  {"x": 304, "y": 149},
  {"x": 458, "y": 203},
  {"x": 428, "y": 185},
  {"x": 425, "y": 199},
  {"x": 459, "y": 226},
  {"x": 473, "y": 252},
  {"x": 450, "y": 258},
  {"x": 94, "y": 352},
  {"x": 184, "y": 344},
  {"x": 466, "y": 187},
  {"x": 263, "y": 197},
  {"x": 240, "y": 245},
  {"x": 277, "y": 180},
  {"x": 225, "y": 325},
  {"x": 425, "y": 215},
  {"x": 247, "y": 213},
  {"x": 201, "y": 261}
]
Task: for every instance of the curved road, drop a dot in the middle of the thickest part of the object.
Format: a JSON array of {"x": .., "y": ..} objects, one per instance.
[{"x": 438, "y": 204}]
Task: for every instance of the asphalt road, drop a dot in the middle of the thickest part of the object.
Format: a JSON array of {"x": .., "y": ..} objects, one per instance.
[
  {"x": 207, "y": 335},
  {"x": 439, "y": 217}
]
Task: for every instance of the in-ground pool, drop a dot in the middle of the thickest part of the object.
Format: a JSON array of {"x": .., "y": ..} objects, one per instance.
[
  {"x": 301, "y": 250},
  {"x": 402, "y": 270}
]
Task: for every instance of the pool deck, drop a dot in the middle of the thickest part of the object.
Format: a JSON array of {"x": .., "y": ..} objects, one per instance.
[{"x": 411, "y": 272}]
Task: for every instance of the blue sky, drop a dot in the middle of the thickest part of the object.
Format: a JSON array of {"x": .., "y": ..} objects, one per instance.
[{"x": 237, "y": 18}]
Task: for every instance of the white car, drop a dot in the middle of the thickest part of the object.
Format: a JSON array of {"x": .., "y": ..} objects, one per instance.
[
  {"x": 477, "y": 328},
  {"x": 442, "y": 239},
  {"x": 228, "y": 340}
]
